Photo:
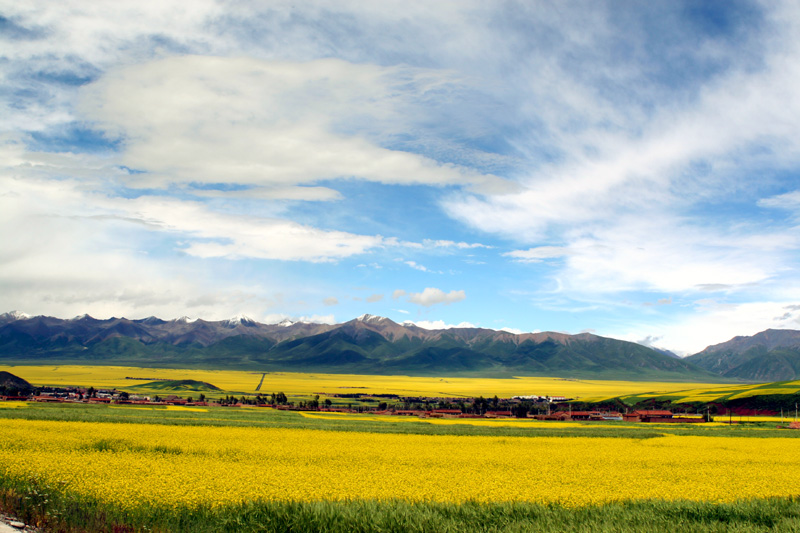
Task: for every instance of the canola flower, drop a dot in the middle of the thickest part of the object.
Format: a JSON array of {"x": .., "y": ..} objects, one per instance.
[
  {"x": 13, "y": 405},
  {"x": 129, "y": 465},
  {"x": 294, "y": 383}
]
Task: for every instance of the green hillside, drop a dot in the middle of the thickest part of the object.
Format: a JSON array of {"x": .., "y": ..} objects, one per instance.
[
  {"x": 176, "y": 386},
  {"x": 754, "y": 364}
]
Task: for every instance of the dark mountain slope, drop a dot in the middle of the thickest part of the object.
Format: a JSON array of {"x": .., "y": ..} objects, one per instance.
[{"x": 772, "y": 355}]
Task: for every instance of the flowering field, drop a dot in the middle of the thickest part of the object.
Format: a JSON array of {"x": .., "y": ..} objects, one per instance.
[
  {"x": 124, "y": 468},
  {"x": 139, "y": 464},
  {"x": 241, "y": 382}
]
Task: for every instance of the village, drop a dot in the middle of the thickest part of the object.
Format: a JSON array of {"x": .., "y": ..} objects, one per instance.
[{"x": 547, "y": 408}]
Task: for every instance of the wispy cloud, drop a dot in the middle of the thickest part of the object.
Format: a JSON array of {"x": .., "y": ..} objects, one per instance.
[{"x": 438, "y": 324}]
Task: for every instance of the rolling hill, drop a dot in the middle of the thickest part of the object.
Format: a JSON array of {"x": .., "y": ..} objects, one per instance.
[
  {"x": 9, "y": 383},
  {"x": 176, "y": 386},
  {"x": 366, "y": 345}
]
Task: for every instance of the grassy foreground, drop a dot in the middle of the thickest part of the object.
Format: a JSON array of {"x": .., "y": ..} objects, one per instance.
[{"x": 53, "y": 510}]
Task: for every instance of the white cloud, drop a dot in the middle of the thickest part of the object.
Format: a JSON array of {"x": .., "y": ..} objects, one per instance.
[
  {"x": 37, "y": 191},
  {"x": 375, "y": 298},
  {"x": 432, "y": 296},
  {"x": 398, "y": 293},
  {"x": 416, "y": 266},
  {"x": 452, "y": 244},
  {"x": 68, "y": 250},
  {"x": 438, "y": 324},
  {"x": 376, "y": 266},
  {"x": 247, "y": 121},
  {"x": 231, "y": 236},
  {"x": 633, "y": 193},
  {"x": 318, "y": 319},
  {"x": 63, "y": 256},
  {"x": 308, "y": 194},
  {"x": 789, "y": 200},
  {"x": 538, "y": 254},
  {"x": 671, "y": 255},
  {"x": 331, "y": 301},
  {"x": 712, "y": 322}
]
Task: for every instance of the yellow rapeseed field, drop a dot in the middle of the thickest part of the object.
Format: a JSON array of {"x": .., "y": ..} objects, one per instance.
[
  {"x": 328, "y": 384},
  {"x": 730, "y": 392},
  {"x": 132, "y": 464}
]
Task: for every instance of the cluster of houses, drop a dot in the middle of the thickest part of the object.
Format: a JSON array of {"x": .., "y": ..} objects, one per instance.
[
  {"x": 107, "y": 397},
  {"x": 101, "y": 397},
  {"x": 640, "y": 415},
  {"x": 651, "y": 416}
]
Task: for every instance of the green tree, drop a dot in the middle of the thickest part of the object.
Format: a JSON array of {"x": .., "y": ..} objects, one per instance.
[{"x": 314, "y": 403}]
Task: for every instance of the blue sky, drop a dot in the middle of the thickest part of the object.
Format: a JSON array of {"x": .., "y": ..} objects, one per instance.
[{"x": 625, "y": 169}]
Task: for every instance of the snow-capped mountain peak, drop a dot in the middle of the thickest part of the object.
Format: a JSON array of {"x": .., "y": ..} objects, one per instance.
[
  {"x": 240, "y": 320},
  {"x": 285, "y": 323},
  {"x": 15, "y": 315},
  {"x": 184, "y": 320},
  {"x": 371, "y": 319}
]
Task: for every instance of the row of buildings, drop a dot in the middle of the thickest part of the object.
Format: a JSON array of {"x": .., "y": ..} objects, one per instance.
[{"x": 647, "y": 416}]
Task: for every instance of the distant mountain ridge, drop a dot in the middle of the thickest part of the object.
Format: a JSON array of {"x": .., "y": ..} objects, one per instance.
[
  {"x": 771, "y": 355},
  {"x": 367, "y": 344}
]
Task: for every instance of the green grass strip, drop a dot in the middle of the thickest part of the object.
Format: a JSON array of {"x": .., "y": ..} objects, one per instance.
[{"x": 52, "y": 509}]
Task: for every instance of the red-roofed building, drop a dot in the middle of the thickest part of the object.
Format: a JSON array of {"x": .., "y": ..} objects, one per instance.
[
  {"x": 648, "y": 415},
  {"x": 441, "y": 413},
  {"x": 498, "y": 414},
  {"x": 46, "y": 398}
]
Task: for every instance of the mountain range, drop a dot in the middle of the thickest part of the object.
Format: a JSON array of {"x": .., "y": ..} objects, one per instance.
[
  {"x": 366, "y": 345},
  {"x": 377, "y": 345},
  {"x": 772, "y": 355}
]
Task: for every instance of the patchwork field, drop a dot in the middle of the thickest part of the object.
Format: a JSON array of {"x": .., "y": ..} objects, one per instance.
[{"x": 238, "y": 382}]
